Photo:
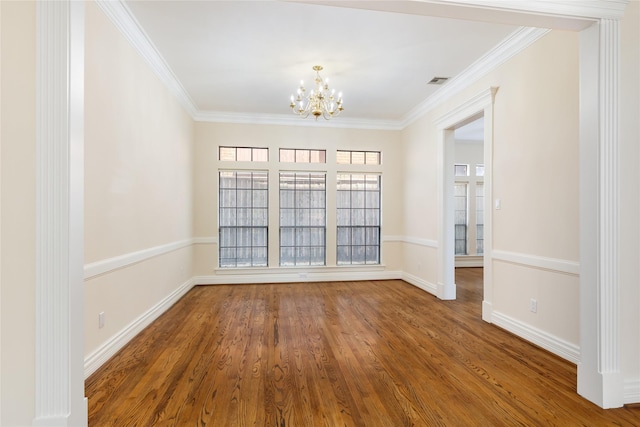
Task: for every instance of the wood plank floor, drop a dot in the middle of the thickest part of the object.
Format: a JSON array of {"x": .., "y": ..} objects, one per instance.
[{"x": 371, "y": 353}]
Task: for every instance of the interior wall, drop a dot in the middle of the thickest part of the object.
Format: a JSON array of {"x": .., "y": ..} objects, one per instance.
[
  {"x": 17, "y": 212},
  {"x": 209, "y": 136},
  {"x": 138, "y": 188},
  {"x": 630, "y": 200},
  {"x": 535, "y": 174}
]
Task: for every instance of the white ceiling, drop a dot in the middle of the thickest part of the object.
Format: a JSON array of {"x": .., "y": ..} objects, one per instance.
[
  {"x": 471, "y": 132},
  {"x": 247, "y": 57}
]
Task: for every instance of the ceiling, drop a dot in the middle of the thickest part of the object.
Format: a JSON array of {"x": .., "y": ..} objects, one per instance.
[{"x": 248, "y": 57}]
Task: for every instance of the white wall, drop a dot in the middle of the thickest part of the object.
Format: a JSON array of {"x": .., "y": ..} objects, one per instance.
[
  {"x": 17, "y": 213},
  {"x": 209, "y": 136},
  {"x": 138, "y": 189}
]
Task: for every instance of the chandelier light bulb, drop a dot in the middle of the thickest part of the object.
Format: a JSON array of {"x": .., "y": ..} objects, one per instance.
[{"x": 316, "y": 103}]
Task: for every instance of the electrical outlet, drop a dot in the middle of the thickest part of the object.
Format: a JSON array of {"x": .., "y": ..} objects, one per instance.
[
  {"x": 533, "y": 306},
  {"x": 101, "y": 320}
]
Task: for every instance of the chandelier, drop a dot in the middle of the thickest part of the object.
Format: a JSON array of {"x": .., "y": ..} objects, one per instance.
[{"x": 319, "y": 102}]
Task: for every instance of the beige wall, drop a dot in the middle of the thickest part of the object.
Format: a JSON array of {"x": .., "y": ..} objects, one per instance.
[
  {"x": 535, "y": 174},
  {"x": 209, "y": 136},
  {"x": 17, "y": 213},
  {"x": 630, "y": 195},
  {"x": 138, "y": 184},
  {"x": 130, "y": 140}
]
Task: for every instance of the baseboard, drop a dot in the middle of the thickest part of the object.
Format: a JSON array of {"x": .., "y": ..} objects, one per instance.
[
  {"x": 96, "y": 359},
  {"x": 470, "y": 261},
  {"x": 555, "y": 345},
  {"x": 281, "y": 275},
  {"x": 487, "y": 311},
  {"x": 631, "y": 391},
  {"x": 420, "y": 283}
]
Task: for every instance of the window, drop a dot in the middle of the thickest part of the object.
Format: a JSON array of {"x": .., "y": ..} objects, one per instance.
[
  {"x": 358, "y": 219},
  {"x": 243, "y": 219},
  {"x": 461, "y": 170},
  {"x": 243, "y": 154},
  {"x": 302, "y": 218},
  {"x": 302, "y": 156},
  {"x": 460, "y": 218},
  {"x": 358, "y": 157},
  {"x": 479, "y": 218},
  {"x": 479, "y": 170}
]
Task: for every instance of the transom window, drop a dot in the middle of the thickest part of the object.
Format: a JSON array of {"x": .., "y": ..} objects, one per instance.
[
  {"x": 243, "y": 154},
  {"x": 461, "y": 170},
  {"x": 302, "y": 218},
  {"x": 358, "y": 219},
  {"x": 289, "y": 155},
  {"x": 344, "y": 157}
]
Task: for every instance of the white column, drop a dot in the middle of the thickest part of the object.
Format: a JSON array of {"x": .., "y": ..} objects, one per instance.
[
  {"x": 599, "y": 377},
  {"x": 59, "y": 360}
]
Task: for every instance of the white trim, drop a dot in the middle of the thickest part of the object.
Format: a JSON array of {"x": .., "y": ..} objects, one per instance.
[
  {"x": 295, "y": 274},
  {"x": 469, "y": 261},
  {"x": 631, "y": 391},
  {"x": 534, "y": 261},
  {"x": 480, "y": 104},
  {"x": 291, "y": 120},
  {"x": 98, "y": 357},
  {"x": 108, "y": 265},
  {"x": 600, "y": 379},
  {"x": 420, "y": 283},
  {"x": 205, "y": 240},
  {"x": 515, "y": 43},
  {"x": 587, "y": 9},
  {"x": 59, "y": 152},
  {"x": 125, "y": 21},
  {"x": 411, "y": 240},
  {"x": 552, "y": 343},
  {"x": 121, "y": 16}
]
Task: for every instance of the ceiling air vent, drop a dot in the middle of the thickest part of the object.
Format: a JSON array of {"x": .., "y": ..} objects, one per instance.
[{"x": 438, "y": 80}]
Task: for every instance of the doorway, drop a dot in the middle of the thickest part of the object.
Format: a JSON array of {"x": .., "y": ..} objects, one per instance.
[{"x": 478, "y": 109}]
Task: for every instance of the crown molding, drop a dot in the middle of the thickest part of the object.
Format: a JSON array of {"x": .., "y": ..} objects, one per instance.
[
  {"x": 587, "y": 9},
  {"x": 125, "y": 21},
  {"x": 515, "y": 43},
  {"x": 519, "y": 40},
  {"x": 291, "y": 120}
]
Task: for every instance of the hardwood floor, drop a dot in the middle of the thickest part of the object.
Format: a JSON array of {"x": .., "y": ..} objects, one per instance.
[{"x": 371, "y": 353}]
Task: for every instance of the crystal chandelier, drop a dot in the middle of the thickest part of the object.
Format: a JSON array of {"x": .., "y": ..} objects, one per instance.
[{"x": 319, "y": 102}]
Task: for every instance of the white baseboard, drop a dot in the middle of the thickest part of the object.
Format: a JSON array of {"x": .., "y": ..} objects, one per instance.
[
  {"x": 96, "y": 359},
  {"x": 281, "y": 275},
  {"x": 470, "y": 261},
  {"x": 631, "y": 391},
  {"x": 555, "y": 345},
  {"x": 487, "y": 311},
  {"x": 420, "y": 283}
]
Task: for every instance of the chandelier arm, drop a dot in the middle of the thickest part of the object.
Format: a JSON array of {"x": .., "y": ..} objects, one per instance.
[{"x": 320, "y": 101}]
